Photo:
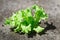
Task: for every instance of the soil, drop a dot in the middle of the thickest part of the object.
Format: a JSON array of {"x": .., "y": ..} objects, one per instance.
[{"x": 52, "y": 26}]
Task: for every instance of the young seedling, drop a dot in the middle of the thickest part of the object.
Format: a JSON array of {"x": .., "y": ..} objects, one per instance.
[{"x": 24, "y": 21}]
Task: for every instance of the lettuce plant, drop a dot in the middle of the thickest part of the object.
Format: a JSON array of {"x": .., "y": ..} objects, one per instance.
[{"x": 24, "y": 21}]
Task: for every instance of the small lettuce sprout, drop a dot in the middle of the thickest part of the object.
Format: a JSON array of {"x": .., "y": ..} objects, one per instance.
[{"x": 24, "y": 21}]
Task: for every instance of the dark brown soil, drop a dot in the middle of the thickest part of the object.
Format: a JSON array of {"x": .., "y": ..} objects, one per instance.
[{"x": 52, "y": 30}]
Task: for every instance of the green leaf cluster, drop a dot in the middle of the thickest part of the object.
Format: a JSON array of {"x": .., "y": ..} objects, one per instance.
[{"x": 24, "y": 21}]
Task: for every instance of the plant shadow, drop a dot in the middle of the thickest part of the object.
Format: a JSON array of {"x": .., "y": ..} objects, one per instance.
[
  {"x": 48, "y": 27},
  {"x": 31, "y": 34}
]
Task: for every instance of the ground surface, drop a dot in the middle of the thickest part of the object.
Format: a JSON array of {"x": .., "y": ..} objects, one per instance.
[{"x": 52, "y": 8}]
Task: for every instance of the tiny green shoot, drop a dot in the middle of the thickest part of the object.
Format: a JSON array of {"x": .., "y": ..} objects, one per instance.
[{"x": 24, "y": 21}]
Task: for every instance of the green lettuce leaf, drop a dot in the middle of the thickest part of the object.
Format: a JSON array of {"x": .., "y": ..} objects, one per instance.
[{"x": 38, "y": 29}]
